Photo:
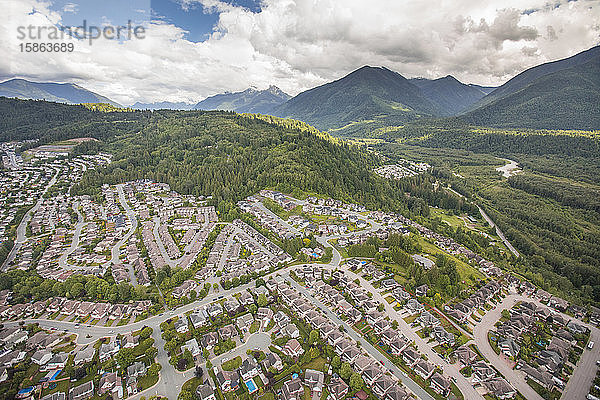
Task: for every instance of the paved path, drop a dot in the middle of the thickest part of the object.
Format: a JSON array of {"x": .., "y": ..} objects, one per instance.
[
  {"x": 258, "y": 340},
  {"x": 116, "y": 249},
  {"x": 499, "y": 232},
  {"x": 22, "y": 228},
  {"x": 163, "y": 251}
]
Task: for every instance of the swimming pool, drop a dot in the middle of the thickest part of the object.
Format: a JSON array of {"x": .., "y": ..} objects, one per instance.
[{"x": 251, "y": 386}]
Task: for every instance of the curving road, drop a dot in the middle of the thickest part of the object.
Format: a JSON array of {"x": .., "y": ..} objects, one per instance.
[
  {"x": 583, "y": 375},
  {"x": 62, "y": 260}
]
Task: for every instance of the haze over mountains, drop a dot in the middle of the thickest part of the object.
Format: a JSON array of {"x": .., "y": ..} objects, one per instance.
[{"x": 563, "y": 94}]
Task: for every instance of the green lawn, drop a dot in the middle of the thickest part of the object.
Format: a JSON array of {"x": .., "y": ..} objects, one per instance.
[
  {"x": 147, "y": 381},
  {"x": 232, "y": 364},
  {"x": 318, "y": 364}
]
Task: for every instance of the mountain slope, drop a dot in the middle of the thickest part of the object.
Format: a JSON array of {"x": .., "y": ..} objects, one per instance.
[
  {"x": 449, "y": 94},
  {"x": 368, "y": 93},
  {"x": 530, "y": 75},
  {"x": 249, "y": 101},
  {"x": 566, "y": 99},
  {"x": 58, "y": 92}
]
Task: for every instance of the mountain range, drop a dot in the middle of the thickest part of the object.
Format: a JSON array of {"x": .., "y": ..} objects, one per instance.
[
  {"x": 69, "y": 93},
  {"x": 250, "y": 100},
  {"x": 563, "y": 94}
]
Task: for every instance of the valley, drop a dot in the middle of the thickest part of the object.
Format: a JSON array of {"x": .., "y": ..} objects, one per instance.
[{"x": 374, "y": 237}]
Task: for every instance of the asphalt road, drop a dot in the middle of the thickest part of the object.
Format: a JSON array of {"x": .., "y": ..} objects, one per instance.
[
  {"x": 62, "y": 260},
  {"x": 22, "y": 228},
  {"x": 583, "y": 375},
  {"x": 425, "y": 348},
  {"x": 373, "y": 352},
  {"x": 499, "y": 232}
]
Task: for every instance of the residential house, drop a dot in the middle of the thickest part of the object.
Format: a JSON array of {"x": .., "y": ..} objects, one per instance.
[
  {"x": 465, "y": 355},
  {"x": 244, "y": 322},
  {"x": 205, "y": 392},
  {"x": 539, "y": 376},
  {"x": 58, "y": 361},
  {"x": 292, "y": 390},
  {"x": 500, "y": 388},
  {"x": 41, "y": 357},
  {"x": 371, "y": 373},
  {"x": 192, "y": 346},
  {"x": 293, "y": 348},
  {"x": 410, "y": 356},
  {"x": 137, "y": 369},
  {"x": 107, "y": 350},
  {"x": 396, "y": 393},
  {"x": 382, "y": 385},
  {"x": 181, "y": 325},
  {"x": 248, "y": 369},
  {"x": 129, "y": 341},
  {"x": 314, "y": 380},
  {"x": 350, "y": 353},
  {"x": 338, "y": 389},
  {"x": 228, "y": 380},
  {"x": 110, "y": 382},
  {"x": 272, "y": 360},
  {"x": 440, "y": 384},
  {"x": 482, "y": 372},
  {"x": 209, "y": 340},
  {"x": 424, "y": 369},
  {"x": 82, "y": 392},
  {"x": 227, "y": 332},
  {"x": 421, "y": 290},
  {"x": 509, "y": 348}
]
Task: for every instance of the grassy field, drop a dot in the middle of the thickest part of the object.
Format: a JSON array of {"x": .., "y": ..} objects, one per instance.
[{"x": 467, "y": 273}]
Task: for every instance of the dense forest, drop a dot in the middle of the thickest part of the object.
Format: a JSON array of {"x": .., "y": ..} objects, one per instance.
[
  {"x": 550, "y": 213},
  {"x": 231, "y": 156},
  {"x": 456, "y": 134},
  {"x": 48, "y": 122}
]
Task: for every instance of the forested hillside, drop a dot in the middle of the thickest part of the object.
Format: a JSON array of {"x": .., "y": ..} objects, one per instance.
[
  {"x": 47, "y": 121},
  {"x": 231, "y": 156},
  {"x": 566, "y": 99},
  {"x": 549, "y": 212},
  {"x": 366, "y": 95}
]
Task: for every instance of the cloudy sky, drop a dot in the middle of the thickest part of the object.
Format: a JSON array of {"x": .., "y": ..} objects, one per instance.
[{"x": 195, "y": 48}]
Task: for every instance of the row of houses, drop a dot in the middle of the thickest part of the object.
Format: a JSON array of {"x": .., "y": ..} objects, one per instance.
[
  {"x": 75, "y": 308},
  {"x": 461, "y": 311},
  {"x": 268, "y": 220},
  {"x": 382, "y": 384}
]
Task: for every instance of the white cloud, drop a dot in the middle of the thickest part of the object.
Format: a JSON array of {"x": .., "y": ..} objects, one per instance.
[
  {"x": 300, "y": 44},
  {"x": 70, "y": 8}
]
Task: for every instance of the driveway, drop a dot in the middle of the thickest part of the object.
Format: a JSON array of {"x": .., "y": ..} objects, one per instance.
[
  {"x": 425, "y": 348},
  {"x": 365, "y": 345},
  {"x": 580, "y": 382}
]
